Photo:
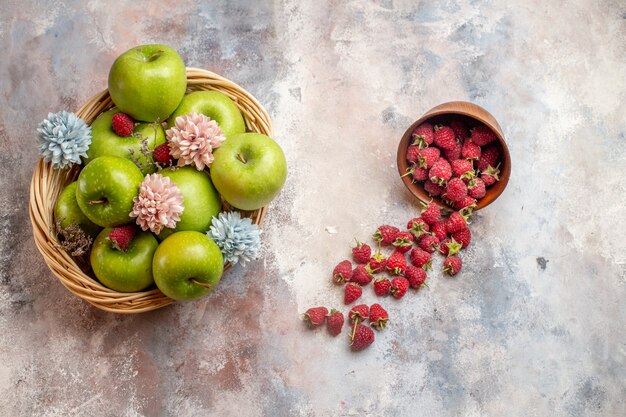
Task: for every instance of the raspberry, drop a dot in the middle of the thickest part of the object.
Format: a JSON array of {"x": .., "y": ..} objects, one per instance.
[
  {"x": 432, "y": 189},
  {"x": 122, "y": 124},
  {"x": 457, "y": 221},
  {"x": 342, "y": 272},
  {"x": 359, "y": 312},
  {"x": 403, "y": 242},
  {"x": 454, "y": 153},
  {"x": 412, "y": 153},
  {"x": 431, "y": 213},
  {"x": 362, "y": 337},
  {"x": 423, "y": 135},
  {"x": 396, "y": 263},
  {"x": 427, "y": 157},
  {"x": 352, "y": 292},
  {"x": 455, "y": 190},
  {"x": 361, "y": 275},
  {"x": 462, "y": 168},
  {"x": 444, "y": 137},
  {"x": 440, "y": 230},
  {"x": 161, "y": 154},
  {"x": 463, "y": 236},
  {"x": 491, "y": 175},
  {"x": 452, "y": 265},
  {"x": 377, "y": 263},
  {"x": 382, "y": 286},
  {"x": 417, "y": 226},
  {"x": 429, "y": 243},
  {"x": 315, "y": 316},
  {"x": 361, "y": 253},
  {"x": 399, "y": 285},
  {"x": 460, "y": 129},
  {"x": 482, "y": 135},
  {"x": 385, "y": 234},
  {"x": 440, "y": 172},
  {"x": 465, "y": 202},
  {"x": 419, "y": 174},
  {"x": 470, "y": 150},
  {"x": 334, "y": 322},
  {"x": 378, "y": 316},
  {"x": 420, "y": 258},
  {"x": 489, "y": 157},
  {"x": 121, "y": 236},
  {"x": 450, "y": 247},
  {"x": 416, "y": 276},
  {"x": 476, "y": 188}
]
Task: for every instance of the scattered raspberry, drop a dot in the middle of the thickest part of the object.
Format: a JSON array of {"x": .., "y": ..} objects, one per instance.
[
  {"x": 444, "y": 137},
  {"x": 454, "y": 153},
  {"x": 342, "y": 272},
  {"x": 378, "y": 317},
  {"x": 423, "y": 135},
  {"x": 470, "y": 150},
  {"x": 452, "y": 265},
  {"x": 382, "y": 286},
  {"x": 460, "y": 129},
  {"x": 463, "y": 236},
  {"x": 440, "y": 230},
  {"x": 431, "y": 213},
  {"x": 429, "y": 243},
  {"x": 420, "y": 258},
  {"x": 362, "y": 337},
  {"x": 403, "y": 242},
  {"x": 457, "y": 221},
  {"x": 399, "y": 285},
  {"x": 455, "y": 190},
  {"x": 433, "y": 189},
  {"x": 441, "y": 172},
  {"x": 462, "y": 168},
  {"x": 385, "y": 234},
  {"x": 334, "y": 322},
  {"x": 450, "y": 247},
  {"x": 352, "y": 292},
  {"x": 359, "y": 313},
  {"x": 482, "y": 135},
  {"x": 361, "y": 253},
  {"x": 121, "y": 236},
  {"x": 396, "y": 263},
  {"x": 427, "y": 157},
  {"x": 476, "y": 188},
  {"x": 161, "y": 154},
  {"x": 377, "y": 263},
  {"x": 417, "y": 226},
  {"x": 489, "y": 157},
  {"x": 122, "y": 124},
  {"x": 315, "y": 316},
  {"x": 416, "y": 276},
  {"x": 361, "y": 275}
]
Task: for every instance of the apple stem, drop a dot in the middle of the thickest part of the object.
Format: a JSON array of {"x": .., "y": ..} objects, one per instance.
[
  {"x": 92, "y": 202},
  {"x": 155, "y": 55},
  {"x": 241, "y": 158},
  {"x": 202, "y": 284}
]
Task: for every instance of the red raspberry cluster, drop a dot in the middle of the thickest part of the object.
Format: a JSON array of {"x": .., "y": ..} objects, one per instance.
[
  {"x": 454, "y": 162},
  {"x": 403, "y": 267}
]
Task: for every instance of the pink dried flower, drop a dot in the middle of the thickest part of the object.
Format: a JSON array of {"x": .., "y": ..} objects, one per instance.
[
  {"x": 158, "y": 205},
  {"x": 193, "y": 139}
]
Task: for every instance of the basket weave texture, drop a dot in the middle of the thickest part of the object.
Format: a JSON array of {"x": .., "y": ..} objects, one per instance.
[{"x": 47, "y": 184}]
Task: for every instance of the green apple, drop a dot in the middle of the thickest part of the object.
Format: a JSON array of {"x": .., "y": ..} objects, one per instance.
[
  {"x": 106, "y": 188},
  {"x": 104, "y": 141},
  {"x": 124, "y": 271},
  {"x": 67, "y": 212},
  {"x": 201, "y": 200},
  {"x": 249, "y": 170},
  {"x": 148, "y": 82},
  {"x": 187, "y": 265},
  {"x": 217, "y": 106}
]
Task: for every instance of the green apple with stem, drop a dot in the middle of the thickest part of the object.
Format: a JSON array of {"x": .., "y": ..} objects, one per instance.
[
  {"x": 67, "y": 212},
  {"x": 187, "y": 265},
  {"x": 148, "y": 82},
  {"x": 249, "y": 170},
  {"x": 138, "y": 147},
  {"x": 127, "y": 270},
  {"x": 201, "y": 200},
  {"x": 218, "y": 106},
  {"x": 106, "y": 188}
]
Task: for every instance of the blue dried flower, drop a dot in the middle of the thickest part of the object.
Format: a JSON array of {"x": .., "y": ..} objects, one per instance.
[
  {"x": 63, "y": 139},
  {"x": 239, "y": 239}
]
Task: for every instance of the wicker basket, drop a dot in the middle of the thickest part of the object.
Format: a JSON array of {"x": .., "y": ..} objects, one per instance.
[{"x": 47, "y": 184}]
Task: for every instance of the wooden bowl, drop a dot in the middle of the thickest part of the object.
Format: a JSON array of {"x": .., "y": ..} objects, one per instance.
[{"x": 443, "y": 114}]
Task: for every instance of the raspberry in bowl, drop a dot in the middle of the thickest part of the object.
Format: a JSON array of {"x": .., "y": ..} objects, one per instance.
[{"x": 456, "y": 156}]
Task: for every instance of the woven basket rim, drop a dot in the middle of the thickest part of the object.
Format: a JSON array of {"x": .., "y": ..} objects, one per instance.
[{"x": 47, "y": 183}]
